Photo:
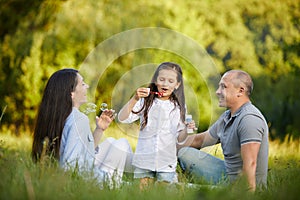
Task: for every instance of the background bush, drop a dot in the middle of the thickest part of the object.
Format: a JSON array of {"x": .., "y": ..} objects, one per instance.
[{"x": 261, "y": 37}]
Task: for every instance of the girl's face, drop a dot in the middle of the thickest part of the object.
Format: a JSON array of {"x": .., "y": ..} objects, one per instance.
[
  {"x": 79, "y": 95},
  {"x": 166, "y": 82}
]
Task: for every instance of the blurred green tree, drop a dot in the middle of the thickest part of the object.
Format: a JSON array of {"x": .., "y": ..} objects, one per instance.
[{"x": 261, "y": 37}]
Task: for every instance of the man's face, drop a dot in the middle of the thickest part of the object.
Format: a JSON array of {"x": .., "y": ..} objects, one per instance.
[{"x": 227, "y": 92}]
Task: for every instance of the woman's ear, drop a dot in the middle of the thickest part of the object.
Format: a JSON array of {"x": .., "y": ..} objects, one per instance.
[{"x": 72, "y": 95}]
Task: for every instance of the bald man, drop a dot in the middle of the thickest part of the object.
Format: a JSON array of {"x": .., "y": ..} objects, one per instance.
[{"x": 243, "y": 133}]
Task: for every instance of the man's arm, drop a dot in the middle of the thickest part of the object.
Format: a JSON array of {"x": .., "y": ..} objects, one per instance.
[
  {"x": 249, "y": 152},
  {"x": 199, "y": 140}
]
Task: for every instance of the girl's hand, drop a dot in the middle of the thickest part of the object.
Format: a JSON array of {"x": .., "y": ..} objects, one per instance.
[
  {"x": 191, "y": 125},
  {"x": 104, "y": 120},
  {"x": 141, "y": 93}
]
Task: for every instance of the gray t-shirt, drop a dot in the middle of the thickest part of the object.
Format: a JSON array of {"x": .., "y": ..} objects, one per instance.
[{"x": 246, "y": 125}]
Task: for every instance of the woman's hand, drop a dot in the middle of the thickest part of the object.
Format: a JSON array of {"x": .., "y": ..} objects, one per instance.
[{"x": 104, "y": 120}]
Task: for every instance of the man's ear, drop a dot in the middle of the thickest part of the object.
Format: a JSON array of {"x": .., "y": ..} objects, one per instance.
[{"x": 241, "y": 91}]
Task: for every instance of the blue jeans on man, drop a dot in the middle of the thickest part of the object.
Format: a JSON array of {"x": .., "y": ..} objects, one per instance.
[{"x": 201, "y": 164}]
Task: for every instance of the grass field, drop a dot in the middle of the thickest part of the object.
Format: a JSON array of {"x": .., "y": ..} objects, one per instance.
[{"x": 22, "y": 179}]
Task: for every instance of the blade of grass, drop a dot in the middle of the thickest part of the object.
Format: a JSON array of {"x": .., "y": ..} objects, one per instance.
[{"x": 3, "y": 111}]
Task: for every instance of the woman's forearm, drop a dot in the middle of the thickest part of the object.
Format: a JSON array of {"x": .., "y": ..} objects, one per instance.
[{"x": 98, "y": 132}]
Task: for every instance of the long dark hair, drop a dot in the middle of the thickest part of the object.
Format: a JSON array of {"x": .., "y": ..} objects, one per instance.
[
  {"x": 55, "y": 107},
  {"x": 177, "y": 96}
]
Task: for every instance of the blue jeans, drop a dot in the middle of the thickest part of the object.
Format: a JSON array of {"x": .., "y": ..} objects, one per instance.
[
  {"x": 170, "y": 177},
  {"x": 200, "y": 164}
]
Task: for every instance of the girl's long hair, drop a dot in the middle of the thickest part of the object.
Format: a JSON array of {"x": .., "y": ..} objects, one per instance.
[
  {"x": 55, "y": 107},
  {"x": 177, "y": 96}
]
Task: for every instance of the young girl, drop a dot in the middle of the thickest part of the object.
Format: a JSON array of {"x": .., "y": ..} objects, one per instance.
[{"x": 161, "y": 111}]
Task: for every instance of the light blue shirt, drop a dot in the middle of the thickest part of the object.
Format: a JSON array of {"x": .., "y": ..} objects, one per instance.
[
  {"x": 77, "y": 146},
  {"x": 77, "y": 142}
]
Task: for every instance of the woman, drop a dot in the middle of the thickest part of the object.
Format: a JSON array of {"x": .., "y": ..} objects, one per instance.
[{"x": 68, "y": 133}]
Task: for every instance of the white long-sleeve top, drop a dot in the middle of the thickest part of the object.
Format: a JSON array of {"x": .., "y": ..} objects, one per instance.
[{"x": 156, "y": 147}]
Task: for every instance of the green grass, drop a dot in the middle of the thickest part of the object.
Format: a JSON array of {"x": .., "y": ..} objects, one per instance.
[{"x": 22, "y": 179}]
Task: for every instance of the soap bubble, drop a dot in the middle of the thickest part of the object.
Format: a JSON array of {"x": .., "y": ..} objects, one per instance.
[
  {"x": 103, "y": 106},
  {"x": 90, "y": 108}
]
